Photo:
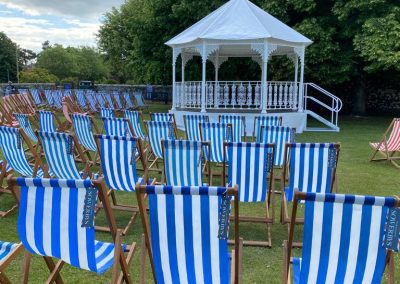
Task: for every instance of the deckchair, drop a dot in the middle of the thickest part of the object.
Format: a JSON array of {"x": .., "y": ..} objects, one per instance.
[
  {"x": 264, "y": 121},
  {"x": 109, "y": 100},
  {"x": 135, "y": 118},
  {"x": 119, "y": 169},
  {"x": 192, "y": 129},
  {"x": 311, "y": 167},
  {"x": 58, "y": 149},
  {"x": 128, "y": 102},
  {"x": 158, "y": 131},
  {"x": 183, "y": 162},
  {"x": 56, "y": 220},
  {"x": 117, "y": 127},
  {"x": 8, "y": 252},
  {"x": 5, "y": 170},
  {"x": 25, "y": 124},
  {"x": 250, "y": 167},
  {"x": 80, "y": 95},
  {"x": 140, "y": 104},
  {"x": 185, "y": 239},
  {"x": 100, "y": 100},
  {"x": 6, "y": 117},
  {"x": 343, "y": 239},
  {"x": 238, "y": 123},
  {"x": 47, "y": 121},
  {"x": 278, "y": 135},
  {"x": 389, "y": 146},
  {"x": 57, "y": 96},
  {"x": 106, "y": 112},
  {"x": 216, "y": 134},
  {"x": 83, "y": 129},
  {"x": 117, "y": 100},
  {"x": 36, "y": 97},
  {"x": 91, "y": 100},
  {"x": 49, "y": 98},
  {"x": 11, "y": 143},
  {"x": 167, "y": 117}
]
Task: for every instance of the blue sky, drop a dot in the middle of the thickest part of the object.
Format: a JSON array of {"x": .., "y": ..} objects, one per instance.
[{"x": 70, "y": 22}]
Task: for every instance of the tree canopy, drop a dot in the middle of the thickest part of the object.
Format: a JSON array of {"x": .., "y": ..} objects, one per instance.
[{"x": 8, "y": 66}]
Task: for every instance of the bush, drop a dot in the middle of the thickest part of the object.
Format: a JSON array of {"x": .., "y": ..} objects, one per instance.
[{"x": 37, "y": 75}]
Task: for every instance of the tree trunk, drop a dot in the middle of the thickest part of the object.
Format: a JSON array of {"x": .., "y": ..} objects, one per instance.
[{"x": 360, "y": 97}]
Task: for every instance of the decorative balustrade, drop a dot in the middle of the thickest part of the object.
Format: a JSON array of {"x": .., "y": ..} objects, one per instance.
[{"x": 237, "y": 95}]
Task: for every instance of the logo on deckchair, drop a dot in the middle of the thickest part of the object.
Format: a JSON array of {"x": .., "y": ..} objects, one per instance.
[
  {"x": 292, "y": 135},
  {"x": 269, "y": 163},
  {"x": 89, "y": 208},
  {"x": 70, "y": 145},
  {"x": 391, "y": 237},
  {"x": 19, "y": 141},
  {"x": 228, "y": 134},
  {"x": 332, "y": 154},
  {"x": 223, "y": 217}
]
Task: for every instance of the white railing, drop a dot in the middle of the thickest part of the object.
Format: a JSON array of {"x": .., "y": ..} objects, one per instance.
[{"x": 237, "y": 95}]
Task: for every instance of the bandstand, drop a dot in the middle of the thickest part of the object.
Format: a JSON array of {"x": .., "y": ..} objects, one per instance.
[{"x": 241, "y": 29}]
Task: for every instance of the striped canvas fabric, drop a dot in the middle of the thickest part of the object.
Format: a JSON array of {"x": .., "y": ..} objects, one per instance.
[
  {"x": 58, "y": 148},
  {"x": 91, "y": 99},
  {"x": 6, "y": 249},
  {"x": 159, "y": 130},
  {"x": 50, "y": 219},
  {"x": 11, "y": 144},
  {"x": 249, "y": 166},
  {"x": 192, "y": 128},
  {"x": 118, "y": 156},
  {"x": 393, "y": 143},
  {"x": 311, "y": 167},
  {"x": 166, "y": 117},
  {"x": 106, "y": 112},
  {"x": 128, "y": 101},
  {"x": 25, "y": 124},
  {"x": 109, "y": 100},
  {"x": 117, "y": 99},
  {"x": 134, "y": 118},
  {"x": 8, "y": 167},
  {"x": 100, "y": 100},
  {"x": 46, "y": 121},
  {"x": 139, "y": 99},
  {"x": 83, "y": 130},
  {"x": 80, "y": 95},
  {"x": 36, "y": 96},
  {"x": 180, "y": 253},
  {"x": 49, "y": 97},
  {"x": 238, "y": 125},
  {"x": 264, "y": 121},
  {"x": 182, "y": 161},
  {"x": 57, "y": 97},
  {"x": 116, "y": 127},
  {"x": 279, "y": 135},
  {"x": 343, "y": 239},
  {"x": 216, "y": 134}
]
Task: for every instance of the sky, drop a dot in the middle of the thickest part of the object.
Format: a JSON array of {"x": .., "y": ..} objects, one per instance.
[{"x": 68, "y": 22}]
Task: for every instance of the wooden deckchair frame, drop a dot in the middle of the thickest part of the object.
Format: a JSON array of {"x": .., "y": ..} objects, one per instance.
[
  {"x": 58, "y": 124},
  {"x": 288, "y": 244},
  {"x": 140, "y": 107},
  {"x": 269, "y": 218},
  {"x": 4, "y": 264},
  {"x": 203, "y": 144},
  {"x": 6, "y": 190},
  {"x": 393, "y": 157},
  {"x": 242, "y": 118},
  {"x": 254, "y": 125},
  {"x": 236, "y": 263},
  {"x": 111, "y": 192},
  {"x": 285, "y": 218},
  {"x": 121, "y": 265}
]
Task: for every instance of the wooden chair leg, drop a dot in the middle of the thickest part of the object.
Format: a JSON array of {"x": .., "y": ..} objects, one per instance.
[
  {"x": 4, "y": 279},
  {"x": 26, "y": 266},
  {"x": 50, "y": 264},
  {"x": 55, "y": 273},
  {"x": 143, "y": 261}
]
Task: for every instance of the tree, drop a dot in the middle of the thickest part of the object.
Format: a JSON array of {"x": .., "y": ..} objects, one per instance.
[
  {"x": 8, "y": 69},
  {"x": 37, "y": 75}
]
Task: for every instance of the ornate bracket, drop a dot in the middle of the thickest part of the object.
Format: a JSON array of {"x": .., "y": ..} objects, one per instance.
[
  {"x": 293, "y": 57},
  {"x": 300, "y": 53},
  {"x": 186, "y": 58},
  {"x": 175, "y": 53},
  {"x": 264, "y": 49},
  {"x": 209, "y": 49},
  {"x": 218, "y": 61}
]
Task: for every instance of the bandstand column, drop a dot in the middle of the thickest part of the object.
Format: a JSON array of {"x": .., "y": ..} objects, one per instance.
[
  {"x": 264, "y": 98},
  {"x": 296, "y": 73},
  {"x": 301, "y": 94},
  {"x": 203, "y": 78},
  {"x": 175, "y": 53}
]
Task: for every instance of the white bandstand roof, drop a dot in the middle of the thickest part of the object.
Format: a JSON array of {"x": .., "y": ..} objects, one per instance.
[{"x": 234, "y": 27}]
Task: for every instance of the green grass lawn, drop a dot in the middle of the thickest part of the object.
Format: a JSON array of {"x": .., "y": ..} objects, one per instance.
[{"x": 356, "y": 175}]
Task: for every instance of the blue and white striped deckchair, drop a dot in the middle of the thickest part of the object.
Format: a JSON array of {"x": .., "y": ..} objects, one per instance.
[
  {"x": 264, "y": 121},
  {"x": 8, "y": 252},
  {"x": 140, "y": 101},
  {"x": 36, "y": 96},
  {"x": 118, "y": 157},
  {"x": 58, "y": 148},
  {"x": 279, "y": 135},
  {"x": 159, "y": 130},
  {"x": 185, "y": 239},
  {"x": 56, "y": 220},
  {"x": 166, "y": 117},
  {"x": 66, "y": 93},
  {"x": 83, "y": 130},
  {"x": 46, "y": 121},
  {"x": 250, "y": 166},
  {"x": 128, "y": 102},
  {"x": 80, "y": 95},
  {"x": 183, "y": 162},
  {"x": 11, "y": 144},
  {"x": 91, "y": 100},
  {"x": 109, "y": 100},
  {"x": 343, "y": 239},
  {"x": 216, "y": 134},
  {"x": 106, "y": 112},
  {"x": 57, "y": 97},
  {"x": 49, "y": 97},
  {"x": 135, "y": 119},
  {"x": 192, "y": 128},
  {"x": 100, "y": 100},
  {"x": 117, "y": 127},
  {"x": 238, "y": 125},
  {"x": 25, "y": 124},
  {"x": 117, "y": 99}
]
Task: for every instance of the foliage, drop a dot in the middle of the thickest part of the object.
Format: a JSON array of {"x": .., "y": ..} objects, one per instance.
[
  {"x": 37, "y": 75},
  {"x": 7, "y": 58}
]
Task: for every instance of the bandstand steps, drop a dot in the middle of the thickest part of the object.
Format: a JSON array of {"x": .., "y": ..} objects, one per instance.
[{"x": 329, "y": 126}]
